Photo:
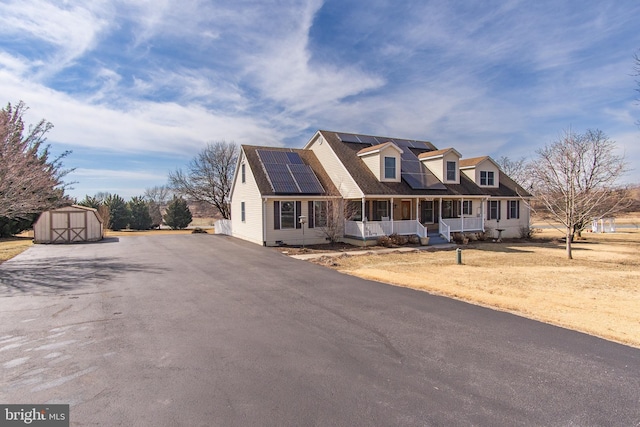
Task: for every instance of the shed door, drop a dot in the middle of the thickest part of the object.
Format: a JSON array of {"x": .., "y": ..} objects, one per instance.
[{"x": 68, "y": 227}]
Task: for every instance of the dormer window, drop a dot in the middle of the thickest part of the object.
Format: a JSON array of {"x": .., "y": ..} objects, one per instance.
[
  {"x": 487, "y": 178},
  {"x": 383, "y": 160},
  {"x": 390, "y": 168},
  {"x": 451, "y": 171}
]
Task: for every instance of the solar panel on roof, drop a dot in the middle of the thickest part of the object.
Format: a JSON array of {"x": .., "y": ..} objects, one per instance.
[
  {"x": 287, "y": 173},
  {"x": 294, "y": 158},
  {"x": 305, "y": 178},
  {"x": 368, "y": 139},
  {"x": 345, "y": 137}
]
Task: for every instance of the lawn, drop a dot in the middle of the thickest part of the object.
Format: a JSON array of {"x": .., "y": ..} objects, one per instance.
[
  {"x": 598, "y": 292},
  {"x": 12, "y": 246}
]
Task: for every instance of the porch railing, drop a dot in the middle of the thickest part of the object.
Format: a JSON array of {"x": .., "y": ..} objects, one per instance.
[
  {"x": 464, "y": 224},
  {"x": 369, "y": 229},
  {"x": 445, "y": 230}
]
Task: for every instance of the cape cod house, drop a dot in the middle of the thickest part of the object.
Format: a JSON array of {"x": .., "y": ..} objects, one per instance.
[{"x": 378, "y": 185}]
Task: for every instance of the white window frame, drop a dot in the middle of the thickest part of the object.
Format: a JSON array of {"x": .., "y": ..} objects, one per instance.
[
  {"x": 243, "y": 216},
  {"x": 467, "y": 207},
  {"x": 390, "y": 168},
  {"x": 513, "y": 204},
  {"x": 493, "y": 203},
  {"x": 487, "y": 178},
  {"x": 293, "y": 223},
  {"x": 320, "y": 207},
  {"x": 243, "y": 173},
  {"x": 455, "y": 175}
]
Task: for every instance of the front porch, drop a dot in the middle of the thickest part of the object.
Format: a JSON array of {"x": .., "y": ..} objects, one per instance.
[{"x": 369, "y": 219}]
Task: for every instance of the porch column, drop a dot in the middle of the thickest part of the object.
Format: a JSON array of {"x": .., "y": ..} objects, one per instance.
[
  {"x": 391, "y": 215},
  {"x": 364, "y": 221},
  {"x": 483, "y": 202},
  {"x": 417, "y": 213},
  {"x": 462, "y": 214}
]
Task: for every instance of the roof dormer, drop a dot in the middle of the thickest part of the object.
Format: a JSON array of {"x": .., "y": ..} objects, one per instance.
[
  {"x": 482, "y": 170},
  {"x": 383, "y": 160},
  {"x": 444, "y": 164}
]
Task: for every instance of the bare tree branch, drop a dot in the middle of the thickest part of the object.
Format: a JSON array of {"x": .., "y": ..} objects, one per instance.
[{"x": 209, "y": 175}]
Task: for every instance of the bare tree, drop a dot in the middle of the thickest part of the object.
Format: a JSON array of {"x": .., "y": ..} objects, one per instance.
[
  {"x": 157, "y": 198},
  {"x": 515, "y": 169},
  {"x": 333, "y": 219},
  {"x": 208, "y": 176},
  {"x": 575, "y": 180},
  {"x": 30, "y": 182}
]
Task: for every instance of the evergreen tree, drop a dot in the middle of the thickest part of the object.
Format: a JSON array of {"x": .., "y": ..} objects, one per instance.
[
  {"x": 119, "y": 214},
  {"x": 140, "y": 217},
  {"x": 178, "y": 215}
]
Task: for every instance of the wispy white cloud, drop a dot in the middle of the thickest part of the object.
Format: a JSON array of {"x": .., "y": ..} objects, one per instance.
[{"x": 67, "y": 30}]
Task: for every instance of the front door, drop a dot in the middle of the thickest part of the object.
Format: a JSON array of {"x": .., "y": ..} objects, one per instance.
[
  {"x": 426, "y": 211},
  {"x": 406, "y": 209}
]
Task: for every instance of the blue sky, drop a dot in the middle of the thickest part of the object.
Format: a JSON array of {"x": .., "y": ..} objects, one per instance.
[{"x": 137, "y": 88}]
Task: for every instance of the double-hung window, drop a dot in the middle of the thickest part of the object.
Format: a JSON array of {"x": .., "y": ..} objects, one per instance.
[
  {"x": 317, "y": 213},
  {"x": 285, "y": 214},
  {"x": 467, "y": 207},
  {"x": 487, "y": 178},
  {"x": 244, "y": 174},
  {"x": 451, "y": 171},
  {"x": 242, "y": 212},
  {"x": 513, "y": 209},
  {"x": 390, "y": 168},
  {"x": 493, "y": 209}
]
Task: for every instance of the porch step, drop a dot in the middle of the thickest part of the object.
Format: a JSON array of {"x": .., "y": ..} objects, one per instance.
[{"x": 436, "y": 239}]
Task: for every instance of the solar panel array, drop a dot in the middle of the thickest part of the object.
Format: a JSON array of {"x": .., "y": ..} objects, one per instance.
[
  {"x": 412, "y": 170},
  {"x": 287, "y": 173}
]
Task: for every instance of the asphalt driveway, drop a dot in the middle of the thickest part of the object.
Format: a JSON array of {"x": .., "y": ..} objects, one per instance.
[{"x": 212, "y": 331}]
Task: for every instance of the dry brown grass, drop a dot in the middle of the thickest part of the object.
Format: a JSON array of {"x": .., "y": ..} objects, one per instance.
[
  {"x": 598, "y": 292},
  {"x": 12, "y": 246}
]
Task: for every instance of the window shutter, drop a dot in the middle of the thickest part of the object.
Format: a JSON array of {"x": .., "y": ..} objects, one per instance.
[
  {"x": 298, "y": 212},
  {"x": 488, "y": 210},
  {"x": 509, "y": 209},
  {"x": 499, "y": 209},
  {"x": 310, "y": 214},
  {"x": 517, "y": 208},
  {"x": 276, "y": 215}
]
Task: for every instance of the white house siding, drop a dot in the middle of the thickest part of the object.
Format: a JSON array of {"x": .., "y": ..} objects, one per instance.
[
  {"x": 512, "y": 227},
  {"x": 312, "y": 236},
  {"x": 247, "y": 192},
  {"x": 335, "y": 169},
  {"x": 373, "y": 163},
  {"x": 485, "y": 165}
]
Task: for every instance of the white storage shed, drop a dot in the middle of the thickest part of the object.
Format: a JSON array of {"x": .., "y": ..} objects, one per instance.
[{"x": 69, "y": 224}]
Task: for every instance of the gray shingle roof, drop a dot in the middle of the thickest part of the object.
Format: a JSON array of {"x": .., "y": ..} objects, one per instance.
[{"x": 347, "y": 152}]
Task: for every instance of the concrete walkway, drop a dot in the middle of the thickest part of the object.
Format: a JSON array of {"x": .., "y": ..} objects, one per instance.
[{"x": 446, "y": 246}]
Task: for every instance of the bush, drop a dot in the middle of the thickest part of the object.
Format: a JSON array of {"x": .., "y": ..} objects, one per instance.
[
  {"x": 178, "y": 215},
  {"x": 385, "y": 241},
  {"x": 396, "y": 239},
  {"x": 199, "y": 230},
  {"x": 527, "y": 232}
]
